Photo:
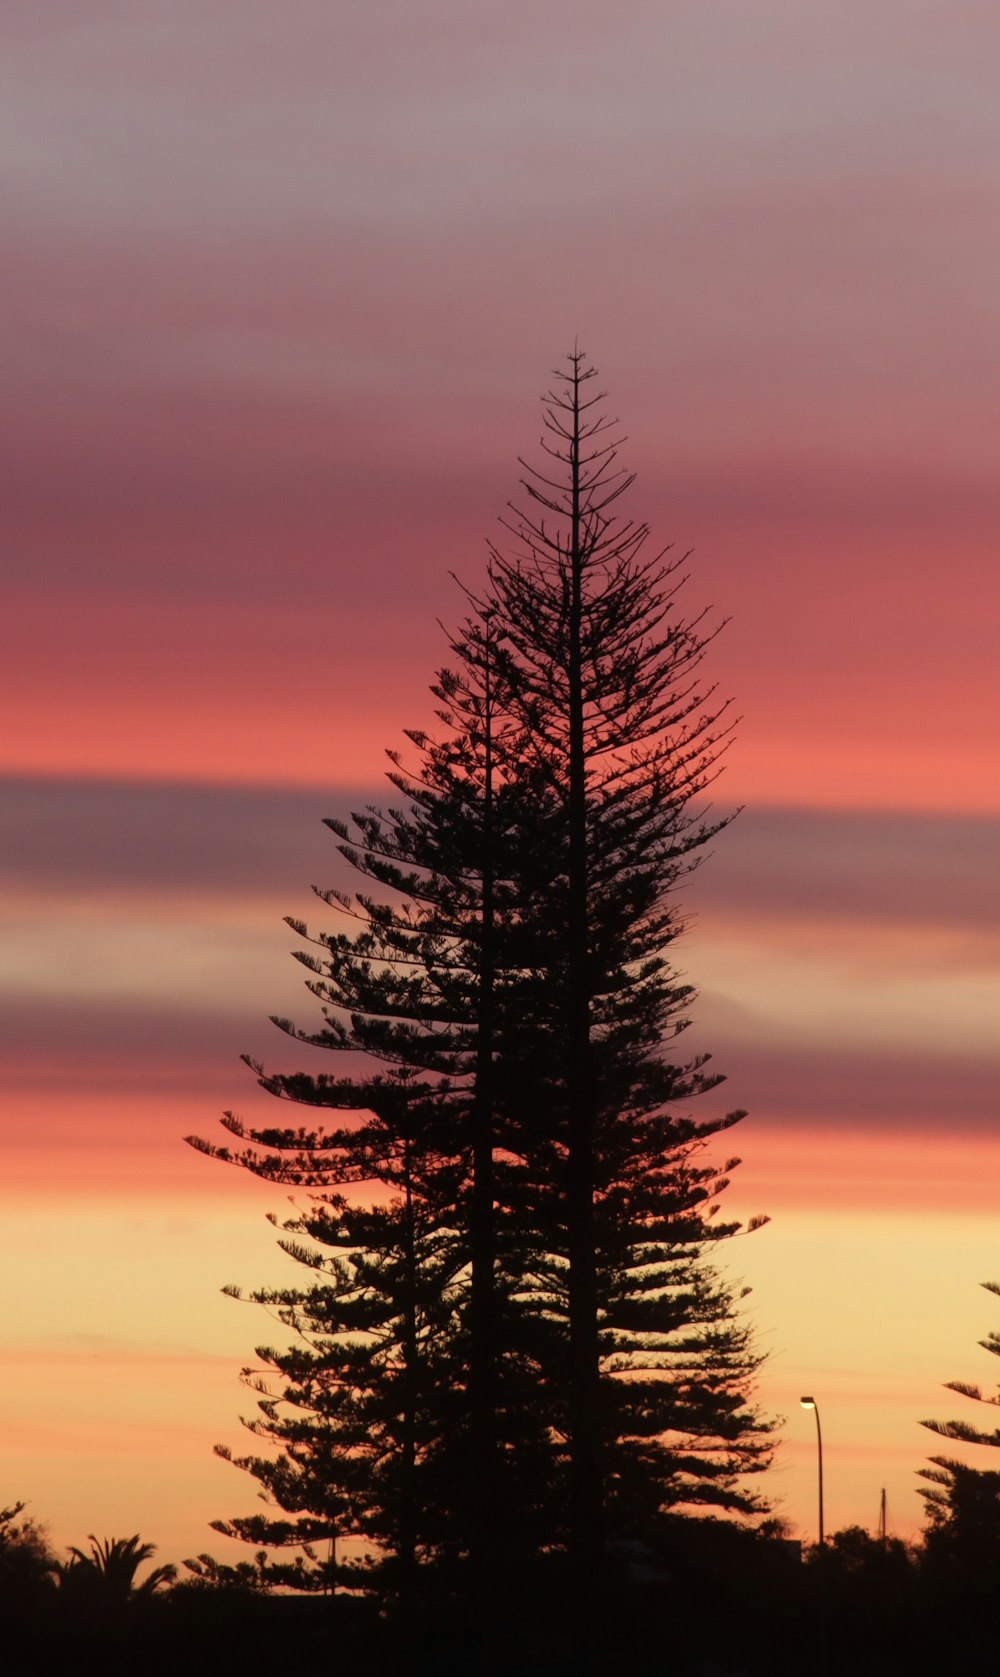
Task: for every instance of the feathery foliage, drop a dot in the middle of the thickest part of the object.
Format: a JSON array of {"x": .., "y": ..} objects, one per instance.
[{"x": 512, "y": 1340}]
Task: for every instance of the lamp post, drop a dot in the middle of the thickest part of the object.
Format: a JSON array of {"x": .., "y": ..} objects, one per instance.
[{"x": 810, "y": 1403}]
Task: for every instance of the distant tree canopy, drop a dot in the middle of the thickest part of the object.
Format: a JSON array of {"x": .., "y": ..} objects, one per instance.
[
  {"x": 511, "y": 1341},
  {"x": 28, "y": 1565}
]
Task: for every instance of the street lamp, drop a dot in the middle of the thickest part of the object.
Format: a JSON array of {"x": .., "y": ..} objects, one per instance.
[{"x": 810, "y": 1403}]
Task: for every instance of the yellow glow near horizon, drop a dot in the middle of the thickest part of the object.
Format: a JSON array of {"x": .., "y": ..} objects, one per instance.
[{"x": 122, "y": 1358}]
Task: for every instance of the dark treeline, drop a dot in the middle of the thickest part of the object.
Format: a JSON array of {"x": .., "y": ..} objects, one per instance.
[{"x": 717, "y": 1600}]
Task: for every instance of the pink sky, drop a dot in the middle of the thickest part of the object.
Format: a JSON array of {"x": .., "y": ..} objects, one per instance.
[{"x": 281, "y": 288}]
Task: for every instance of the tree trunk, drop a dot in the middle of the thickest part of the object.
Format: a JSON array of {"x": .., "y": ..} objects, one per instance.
[
  {"x": 586, "y": 1488},
  {"x": 482, "y": 1372}
]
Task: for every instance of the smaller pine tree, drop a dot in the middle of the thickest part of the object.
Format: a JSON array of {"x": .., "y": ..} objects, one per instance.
[{"x": 353, "y": 1403}]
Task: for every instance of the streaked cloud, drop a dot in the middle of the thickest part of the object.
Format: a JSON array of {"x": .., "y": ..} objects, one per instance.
[
  {"x": 848, "y": 961},
  {"x": 71, "y": 835}
]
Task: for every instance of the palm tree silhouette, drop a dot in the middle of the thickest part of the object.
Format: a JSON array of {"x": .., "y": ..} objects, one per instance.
[{"x": 110, "y": 1568}]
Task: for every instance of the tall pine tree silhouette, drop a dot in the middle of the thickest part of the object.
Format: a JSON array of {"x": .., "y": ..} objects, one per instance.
[
  {"x": 514, "y": 1341},
  {"x": 601, "y": 680}
]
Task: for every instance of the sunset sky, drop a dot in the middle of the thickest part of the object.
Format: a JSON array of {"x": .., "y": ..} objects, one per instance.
[{"x": 281, "y": 287}]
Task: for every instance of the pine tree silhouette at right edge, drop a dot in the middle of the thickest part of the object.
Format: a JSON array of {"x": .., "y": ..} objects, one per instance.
[{"x": 963, "y": 1501}]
